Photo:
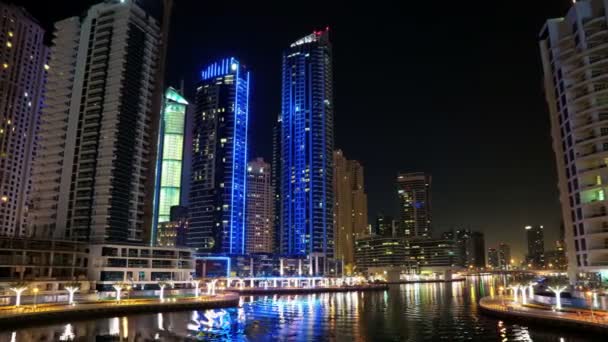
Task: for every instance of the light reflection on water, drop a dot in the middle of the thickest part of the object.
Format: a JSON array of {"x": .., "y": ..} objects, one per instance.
[{"x": 410, "y": 312}]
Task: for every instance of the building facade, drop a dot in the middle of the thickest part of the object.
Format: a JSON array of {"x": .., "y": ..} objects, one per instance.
[
  {"x": 384, "y": 225},
  {"x": 97, "y": 130},
  {"x": 414, "y": 191},
  {"x": 260, "y": 208},
  {"x": 493, "y": 258},
  {"x": 219, "y": 159},
  {"x": 380, "y": 251},
  {"x": 350, "y": 206},
  {"x": 573, "y": 54},
  {"x": 307, "y": 145},
  {"x": 22, "y": 84},
  {"x": 167, "y": 191},
  {"x": 536, "y": 246},
  {"x": 173, "y": 233},
  {"x": 504, "y": 256}
]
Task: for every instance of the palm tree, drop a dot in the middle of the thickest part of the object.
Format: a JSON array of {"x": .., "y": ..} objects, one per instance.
[
  {"x": 196, "y": 283},
  {"x": 72, "y": 287},
  {"x": 119, "y": 286},
  {"x": 162, "y": 284},
  {"x": 18, "y": 288},
  {"x": 557, "y": 285}
]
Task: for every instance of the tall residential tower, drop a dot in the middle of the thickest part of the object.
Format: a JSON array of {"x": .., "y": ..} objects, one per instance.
[
  {"x": 22, "y": 79},
  {"x": 219, "y": 159},
  {"x": 260, "y": 208},
  {"x": 574, "y": 56},
  {"x": 167, "y": 190},
  {"x": 414, "y": 191},
  {"x": 307, "y": 143},
  {"x": 97, "y": 131},
  {"x": 350, "y": 207},
  {"x": 536, "y": 246}
]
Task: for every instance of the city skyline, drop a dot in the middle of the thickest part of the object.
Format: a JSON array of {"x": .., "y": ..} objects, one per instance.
[{"x": 261, "y": 49}]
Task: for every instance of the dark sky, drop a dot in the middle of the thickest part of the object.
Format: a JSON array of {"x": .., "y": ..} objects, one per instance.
[{"x": 452, "y": 88}]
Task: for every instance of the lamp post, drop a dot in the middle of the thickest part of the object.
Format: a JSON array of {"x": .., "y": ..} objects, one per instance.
[{"x": 35, "y": 297}]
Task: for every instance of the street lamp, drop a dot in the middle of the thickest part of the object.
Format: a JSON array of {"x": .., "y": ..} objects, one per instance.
[{"x": 35, "y": 297}]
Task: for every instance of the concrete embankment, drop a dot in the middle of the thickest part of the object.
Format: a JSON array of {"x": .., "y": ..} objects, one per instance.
[
  {"x": 496, "y": 307},
  {"x": 58, "y": 313}
]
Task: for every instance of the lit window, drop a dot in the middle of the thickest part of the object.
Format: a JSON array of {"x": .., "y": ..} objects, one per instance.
[{"x": 9, "y": 44}]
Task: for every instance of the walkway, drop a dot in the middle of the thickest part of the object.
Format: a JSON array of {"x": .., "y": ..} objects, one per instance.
[
  {"x": 504, "y": 307},
  {"x": 30, "y": 313}
]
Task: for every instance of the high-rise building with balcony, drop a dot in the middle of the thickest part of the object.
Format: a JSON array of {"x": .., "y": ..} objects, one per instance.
[
  {"x": 167, "y": 190},
  {"x": 98, "y": 130},
  {"x": 23, "y": 75},
  {"x": 350, "y": 206},
  {"x": 219, "y": 159},
  {"x": 575, "y": 62},
  {"x": 307, "y": 144},
  {"x": 536, "y": 246},
  {"x": 260, "y": 208},
  {"x": 414, "y": 191}
]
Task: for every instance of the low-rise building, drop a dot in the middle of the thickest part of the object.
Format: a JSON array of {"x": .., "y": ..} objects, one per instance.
[{"x": 139, "y": 265}]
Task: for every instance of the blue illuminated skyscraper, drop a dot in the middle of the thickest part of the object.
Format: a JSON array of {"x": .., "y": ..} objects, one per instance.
[
  {"x": 307, "y": 143},
  {"x": 219, "y": 159}
]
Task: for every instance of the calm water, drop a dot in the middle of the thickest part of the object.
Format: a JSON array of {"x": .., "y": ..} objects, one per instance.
[{"x": 403, "y": 313}]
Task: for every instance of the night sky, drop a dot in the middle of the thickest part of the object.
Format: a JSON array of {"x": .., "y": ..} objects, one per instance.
[{"x": 451, "y": 88}]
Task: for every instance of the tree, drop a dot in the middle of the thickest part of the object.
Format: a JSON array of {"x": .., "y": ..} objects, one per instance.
[
  {"x": 18, "y": 288},
  {"x": 527, "y": 281},
  {"x": 557, "y": 285},
  {"x": 119, "y": 286},
  {"x": 196, "y": 283},
  {"x": 162, "y": 284},
  {"x": 72, "y": 287}
]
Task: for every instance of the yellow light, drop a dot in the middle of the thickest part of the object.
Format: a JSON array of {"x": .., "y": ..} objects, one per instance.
[
  {"x": 35, "y": 290},
  {"x": 10, "y": 33},
  {"x": 5, "y": 65},
  {"x": 46, "y": 67},
  {"x": 9, "y": 44},
  {"x": 4, "y": 198}
]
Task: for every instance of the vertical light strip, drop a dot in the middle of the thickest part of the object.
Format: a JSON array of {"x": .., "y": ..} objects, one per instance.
[
  {"x": 245, "y": 166},
  {"x": 234, "y": 139}
]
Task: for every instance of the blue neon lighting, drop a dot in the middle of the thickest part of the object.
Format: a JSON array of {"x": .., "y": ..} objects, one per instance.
[{"x": 221, "y": 68}]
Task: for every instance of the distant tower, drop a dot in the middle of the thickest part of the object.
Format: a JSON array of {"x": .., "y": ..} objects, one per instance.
[
  {"x": 350, "y": 206},
  {"x": 414, "y": 190},
  {"x": 218, "y": 181},
  {"x": 504, "y": 256},
  {"x": 307, "y": 144},
  {"x": 536, "y": 245},
  {"x": 22, "y": 78},
  {"x": 493, "y": 258},
  {"x": 260, "y": 213}
]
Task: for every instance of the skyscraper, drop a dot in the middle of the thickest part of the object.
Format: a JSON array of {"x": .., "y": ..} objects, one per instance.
[
  {"x": 573, "y": 55},
  {"x": 384, "y": 225},
  {"x": 350, "y": 206},
  {"x": 98, "y": 131},
  {"x": 493, "y": 258},
  {"x": 219, "y": 159},
  {"x": 536, "y": 246},
  {"x": 167, "y": 190},
  {"x": 276, "y": 183},
  {"x": 414, "y": 190},
  {"x": 307, "y": 143},
  {"x": 22, "y": 78},
  {"x": 260, "y": 208},
  {"x": 504, "y": 256}
]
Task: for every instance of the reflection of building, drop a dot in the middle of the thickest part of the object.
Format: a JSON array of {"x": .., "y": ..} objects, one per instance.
[
  {"x": 536, "y": 246},
  {"x": 414, "y": 190},
  {"x": 98, "y": 129},
  {"x": 173, "y": 233},
  {"x": 504, "y": 256},
  {"x": 219, "y": 159},
  {"x": 167, "y": 190},
  {"x": 350, "y": 206},
  {"x": 573, "y": 55},
  {"x": 260, "y": 211},
  {"x": 21, "y": 95},
  {"x": 138, "y": 264},
  {"x": 493, "y": 258},
  {"x": 307, "y": 145}
]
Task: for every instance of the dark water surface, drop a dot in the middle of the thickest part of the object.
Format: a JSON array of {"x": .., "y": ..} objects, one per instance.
[{"x": 417, "y": 312}]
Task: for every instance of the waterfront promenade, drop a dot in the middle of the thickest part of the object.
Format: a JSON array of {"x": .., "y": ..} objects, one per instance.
[
  {"x": 504, "y": 307},
  {"x": 26, "y": 314}
]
